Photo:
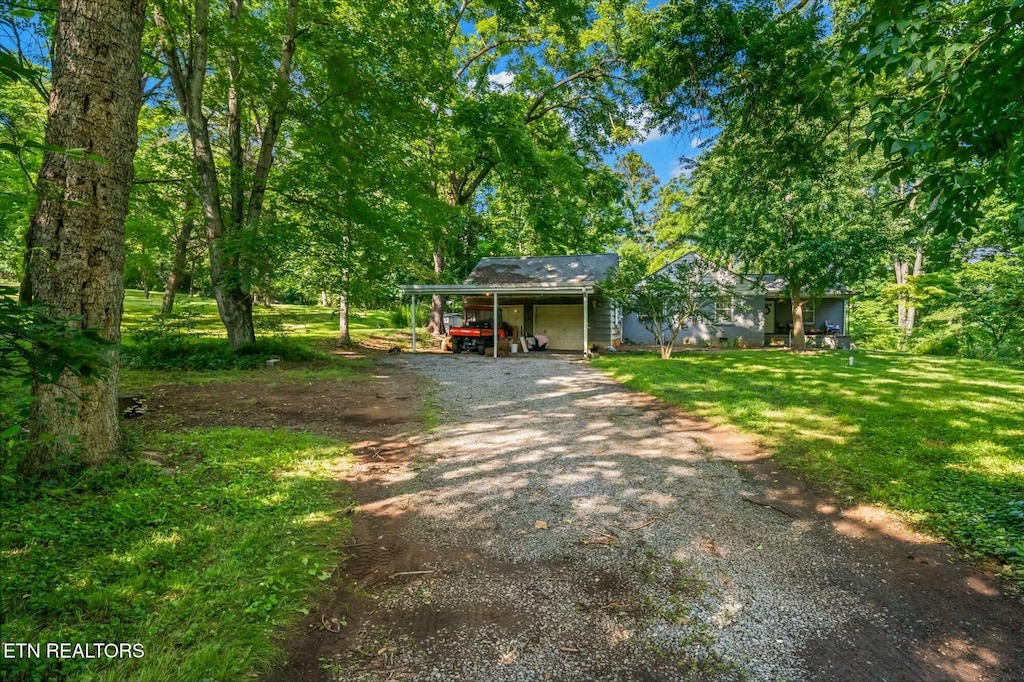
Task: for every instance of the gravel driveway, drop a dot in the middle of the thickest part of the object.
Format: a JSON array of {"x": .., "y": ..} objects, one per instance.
[{"x": 555, "y": 525}]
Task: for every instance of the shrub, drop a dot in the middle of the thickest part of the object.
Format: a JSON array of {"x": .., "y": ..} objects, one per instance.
[
  {"x": 170, "y": 342},
  {"x": 399, "y": 317}
]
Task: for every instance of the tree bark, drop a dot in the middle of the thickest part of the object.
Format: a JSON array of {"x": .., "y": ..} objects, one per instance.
[
  {"x": 180, "y": 254},
  {"x": 229, "y": 269},
  {"x": 799, "y": 336},
  {"x": 906, "y": 311},
  {"x": 77, "y": 231},
  {"x": 343, "y": 334},
  {"x": 900, "y": 271},
  {"x": 436, "y": 323},
  {"x": 911, "y": 308}
]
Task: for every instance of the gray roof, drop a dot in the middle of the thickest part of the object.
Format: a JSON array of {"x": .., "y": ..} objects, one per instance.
[
  {"x": 776, "y": 285},
  {"x": 772, "y": 285},
  {"x": 585, "y": 270}
]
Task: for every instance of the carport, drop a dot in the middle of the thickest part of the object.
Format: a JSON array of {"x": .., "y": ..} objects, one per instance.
[{"x": 497, "y": 292}]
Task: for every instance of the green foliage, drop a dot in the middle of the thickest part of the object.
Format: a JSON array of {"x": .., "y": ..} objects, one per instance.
[
  {"x": 933, "y": 438},
  {"x": 200, "y": 551},
  {"x": 976, "y": 311},
  {"x": 36, "y": 348},
  {"x": 945, "y": 99},
  {"x": 22, "y": 118},
  {"x": 666, "y": 301},
  {"x": 872, "y": 323},
  {"x": 398, "y": 318},
  {"x": 172, "y": 342}
]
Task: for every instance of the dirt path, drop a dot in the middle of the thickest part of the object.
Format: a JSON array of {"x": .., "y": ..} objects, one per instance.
[{"x": 558, "y": 526}]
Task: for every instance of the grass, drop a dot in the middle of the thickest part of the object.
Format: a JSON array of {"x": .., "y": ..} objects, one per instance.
[
  {"x": 204, "y": 545},
  {"x": 199, "y": 550},
  {"x": 193, "y": 339},
  {"x": 939, "y": 440}
]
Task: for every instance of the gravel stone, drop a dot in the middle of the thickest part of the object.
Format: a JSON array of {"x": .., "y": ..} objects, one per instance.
[{"x": 651, "y": 566}]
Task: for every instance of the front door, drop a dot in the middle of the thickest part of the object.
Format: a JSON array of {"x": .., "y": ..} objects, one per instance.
[{"x": 769, "y": 316}]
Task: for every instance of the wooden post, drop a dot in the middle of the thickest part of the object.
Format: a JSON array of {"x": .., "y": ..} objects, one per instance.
[
  {"x": 412, "y": 323},
  {"x": 586, "y": 324},
  {"x": 494, "y": 324}
]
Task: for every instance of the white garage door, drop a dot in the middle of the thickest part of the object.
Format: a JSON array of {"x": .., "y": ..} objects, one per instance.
[{"x": 562, "y": 324}]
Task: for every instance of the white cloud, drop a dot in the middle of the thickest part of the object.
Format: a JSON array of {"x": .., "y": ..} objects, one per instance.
[
  {"x": 697, "y": 142},
  {"x": 642, "y": 121},
  {"x": 682, "y": 169},
  {"x": 501, "y": 80}
]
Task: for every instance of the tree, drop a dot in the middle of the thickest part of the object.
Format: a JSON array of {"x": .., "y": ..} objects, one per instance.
[
  {"x": 350, "y": 192},
  {"x": 565, "y": 202},
  {"x": 163, "y": 211},
  {"x": 946, "y": 99},
  {"x": 666, "y": 301},
  {"x": 22, "y": 127},
  {"x": 76, "y": 236},
  {"x": 777, "y": 191},
  {"x": 511, "y": 68},
  {"x": 641, "y": 186},
  {"x": 233, "y": 51},
  {"x": 814, "y": 232},
  {"x": 991, "y": 297}
]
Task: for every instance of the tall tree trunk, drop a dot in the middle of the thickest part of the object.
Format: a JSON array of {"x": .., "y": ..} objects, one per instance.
[
  {"x": 324, "y": 301},
  {"x": 343, "y": 335},
  {"x": 77, "y": 230},
  {"x": 799, "y": 337},
  {"x": 180, "y": 254},
  {"x": 187, "y": 67},
  {"x": 911, "y": 308},
  {"x": 436, "y": 324},
  {"x": 899, "y": 268}
]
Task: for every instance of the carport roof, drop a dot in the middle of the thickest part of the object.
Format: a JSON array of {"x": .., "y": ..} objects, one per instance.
[
  {"x": 503, "y": 289},
  {"x": 550, "y": 275}
]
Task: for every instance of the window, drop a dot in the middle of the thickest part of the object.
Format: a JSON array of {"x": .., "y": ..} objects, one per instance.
[
  {"x": 809, "y": 314},
  {"x": 723, "y": 310}
]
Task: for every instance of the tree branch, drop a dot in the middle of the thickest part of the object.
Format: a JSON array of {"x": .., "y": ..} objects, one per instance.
[
  {"x": 590, "y": 72},
  {"x": 279, "y": 104},
  {"x": 485, "y": 49},
  {"x": 458, "y": 20}
]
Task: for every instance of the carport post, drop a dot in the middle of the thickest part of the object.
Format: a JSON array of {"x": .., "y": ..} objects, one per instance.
[
  {"x": 412, "y": 315},
  {"x": 586, "y": 324},
  {"x": 494, "y": 324}
]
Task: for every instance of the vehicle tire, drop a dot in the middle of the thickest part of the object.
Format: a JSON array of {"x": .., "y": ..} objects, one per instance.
[
  {"x": 481, "y": 348},
  {"x": 456, "y": 345}
]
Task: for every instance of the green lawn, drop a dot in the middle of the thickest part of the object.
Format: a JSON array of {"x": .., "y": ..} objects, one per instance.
[
  {"x": 193, "y": 338},
  {"x": 203, "y": 545},
  {"x": 201, "y": 550},
  {"x": 939, "y": 440}
]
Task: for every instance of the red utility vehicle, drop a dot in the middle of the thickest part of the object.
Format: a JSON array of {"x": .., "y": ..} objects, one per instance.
[{"x": 477, "y": 330}]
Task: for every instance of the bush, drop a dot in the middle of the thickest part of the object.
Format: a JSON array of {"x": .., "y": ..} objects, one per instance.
[
  {"x": 170, "y": 342},
  {"x": 399, "y": 317}
]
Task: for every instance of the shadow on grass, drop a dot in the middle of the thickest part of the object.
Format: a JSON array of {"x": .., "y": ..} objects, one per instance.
[
  {"x": 199, "y": 551},
  {"x": 939, "y": 439}
]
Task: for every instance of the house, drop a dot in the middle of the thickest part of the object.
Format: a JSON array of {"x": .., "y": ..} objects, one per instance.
[
  {"x": 551, "y": 295},
  {"x": 756, "y": 311}
]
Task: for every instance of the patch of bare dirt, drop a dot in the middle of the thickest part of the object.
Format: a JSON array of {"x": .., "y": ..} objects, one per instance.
[{"x": 368, "y": 407}]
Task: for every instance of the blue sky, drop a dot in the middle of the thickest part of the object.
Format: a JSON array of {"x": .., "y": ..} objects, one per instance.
[{"x": 664, "y": 151}]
